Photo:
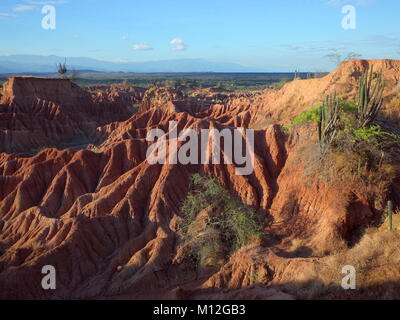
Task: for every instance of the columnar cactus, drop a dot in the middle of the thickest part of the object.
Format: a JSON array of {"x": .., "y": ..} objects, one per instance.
[
  {"x": 328, "y": 122},
  {"x": 369, "y": 97},
  {"x": 62, "y": 69},
  {"x": 390, "y": 213}
]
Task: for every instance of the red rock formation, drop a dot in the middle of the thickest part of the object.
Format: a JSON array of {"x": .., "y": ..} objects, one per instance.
[
  {"x": 36, "y": 112},
  {"x": 162, "y": 97},
  {"x": 107, "y": 219},
  {"x": 117, "y": 93}
]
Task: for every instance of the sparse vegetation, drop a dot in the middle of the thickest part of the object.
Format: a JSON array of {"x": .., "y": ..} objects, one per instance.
[
  {"x": 174, "y": 83},
  {"x": 220, "y": 86},
  {"x": 354, "y": 148},
  {"x": 337, "y": 58},
  {"x": 369, "y": 104},
  {"x": 191, "y": 81},
  {"x": 361, "y": 156},
  {"x": 215, "y": 224}
]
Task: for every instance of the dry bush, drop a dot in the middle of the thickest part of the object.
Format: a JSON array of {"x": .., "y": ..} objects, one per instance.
[
  {"x": 360, "y": 171},
  {"x": 366, "y": 166},
  {"x": 214, "y": 224},
  {"x": 297, "y": 243},
  {"x": 309, "y": 286},
  {"x": 392, "y": 110},
  {"x": 257, "y": 275}
]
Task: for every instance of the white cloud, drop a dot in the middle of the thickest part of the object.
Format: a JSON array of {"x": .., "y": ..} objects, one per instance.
[
  {"x": 119, "y": 60},
  {"x": 310, "y": 46},
  {"x": 292, "y": 47},
  {"x": 23, "y": 8},
  {"x": 340, "y": 3},
  {"x": 124, "y": 38},
  {"x": 141, "y": 47},
  {"x": 178, "y": 44},
  {"x": 6, "y": 16},
  {"x": 43, "y": 3}
]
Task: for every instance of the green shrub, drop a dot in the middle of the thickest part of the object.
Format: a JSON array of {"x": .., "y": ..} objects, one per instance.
[
  {"x": 374, "y": 132},
  {"x": 312, "y": 115},
  {"x": 224, "y": 226},
  {"x": 368, "y": 133},
  {"x": 309, "y": 116},
  {"x": 349, "y": 107}
]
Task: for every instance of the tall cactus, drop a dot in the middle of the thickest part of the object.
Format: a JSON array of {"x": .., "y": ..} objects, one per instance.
[
  {"x": 369, "y": 97},
  {"x": 62, "y": 69},
  {"x": 390, "y": 214},
  {"x": 328, "y": 122}
]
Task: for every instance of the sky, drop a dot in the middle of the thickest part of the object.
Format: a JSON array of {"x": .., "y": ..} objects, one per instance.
[{"x": 269, "y": 35}]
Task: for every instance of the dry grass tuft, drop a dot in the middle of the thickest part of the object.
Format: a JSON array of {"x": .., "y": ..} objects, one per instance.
[
  {"x": 297, "y": 244},
  {"x": 36, "y": 245}
]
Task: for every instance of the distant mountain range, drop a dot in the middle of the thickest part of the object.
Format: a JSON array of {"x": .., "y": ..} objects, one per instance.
[{"x": 44, "y": 64}]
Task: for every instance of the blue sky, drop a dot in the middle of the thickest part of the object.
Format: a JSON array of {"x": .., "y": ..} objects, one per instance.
[{"x": 267, "y": 34}]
